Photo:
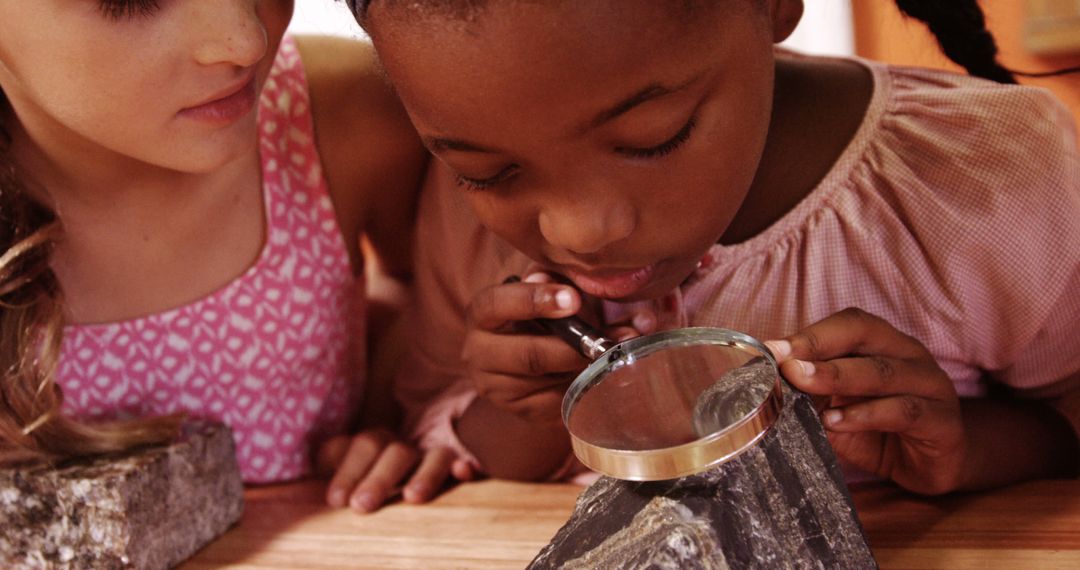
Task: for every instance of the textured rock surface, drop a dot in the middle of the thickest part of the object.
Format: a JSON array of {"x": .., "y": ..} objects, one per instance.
[
  {"x": 781, "y": 504},
  {"x": 150, "y": 509}
]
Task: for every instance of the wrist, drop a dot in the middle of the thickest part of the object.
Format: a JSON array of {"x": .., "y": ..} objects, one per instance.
[
  {"x": 1009, "y": 441},
  {"x": 510, "y": 447}
]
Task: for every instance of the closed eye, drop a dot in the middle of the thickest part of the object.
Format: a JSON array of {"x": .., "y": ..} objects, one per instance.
[
  {"x": 121, "y": 9},
  {"x": 664, "y": 148},
  {"x": 487, "y": 183}
]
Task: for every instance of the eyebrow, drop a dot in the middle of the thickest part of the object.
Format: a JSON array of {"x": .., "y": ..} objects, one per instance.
[{"x": 648, "y": 93}]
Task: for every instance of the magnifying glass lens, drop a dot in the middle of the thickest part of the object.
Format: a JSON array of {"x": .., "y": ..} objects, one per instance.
[{"x": 668, "y": 393}]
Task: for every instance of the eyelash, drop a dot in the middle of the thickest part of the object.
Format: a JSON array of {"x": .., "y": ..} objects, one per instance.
[
  {"x": 662, "y": 149},
  {"x": 485, "y": 183},
  {"x": 665, "y": 148},
  {"x": 130, "y": 9}
]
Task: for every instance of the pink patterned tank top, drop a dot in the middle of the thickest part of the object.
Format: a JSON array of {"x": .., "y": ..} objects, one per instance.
[{"x": 266, "y": 353}]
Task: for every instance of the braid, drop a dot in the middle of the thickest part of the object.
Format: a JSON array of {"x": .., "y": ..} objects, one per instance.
[
  {"x": 960, "y": 29},
  {"x": 31, "y": 325}
]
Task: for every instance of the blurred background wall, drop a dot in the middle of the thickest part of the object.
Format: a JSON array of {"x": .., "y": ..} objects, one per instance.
[{"x": 882, "y": 33}]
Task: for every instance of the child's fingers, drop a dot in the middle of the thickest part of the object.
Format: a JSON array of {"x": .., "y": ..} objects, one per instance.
[
  {"x": 538, "y": 276},
  {"x": 363, "y": 451},
  {"x": 637, "y": 323},
  {"x": 619, "y": 334},
  {"x": 429, "y": 476},
  {"x": 330, "y": 454},
  {"x": 912, "y": 415},
  {"x": 523, "y": 355},
  {"x": 849, "y": 332},
  {"x": 462, "y": 470},
  {"x": 868, "y": 376},
  {"x": 393, "y": 464},
  {"x": 641, "y": 320},
  {"x": 495, "y": 306}
]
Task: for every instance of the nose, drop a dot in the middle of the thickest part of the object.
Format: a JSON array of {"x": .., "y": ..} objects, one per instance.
[
  {"x": 587, "y": 222},
  {"x": 229, "y": 31}
]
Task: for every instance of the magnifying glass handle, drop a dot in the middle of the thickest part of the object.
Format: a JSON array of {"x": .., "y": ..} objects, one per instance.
[{"x": 574, "y": 331}]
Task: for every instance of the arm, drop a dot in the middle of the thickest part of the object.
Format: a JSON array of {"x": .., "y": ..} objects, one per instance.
[
  {"x": 371, "y": 155},
  {"x": 511, "y": 447},
  {"x": 1012, "y": 440},
  {"x": 373, "y": 163}
]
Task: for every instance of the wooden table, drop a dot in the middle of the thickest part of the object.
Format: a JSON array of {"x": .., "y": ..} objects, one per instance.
[{"x": 496, "y": 524}]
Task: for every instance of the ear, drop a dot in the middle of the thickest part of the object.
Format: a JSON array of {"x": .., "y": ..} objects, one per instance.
[{"x": 785, "y": 16}]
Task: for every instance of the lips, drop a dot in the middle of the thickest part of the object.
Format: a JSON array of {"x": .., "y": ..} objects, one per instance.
[
  {"x": 611, "y": 283},
  {"x": 225, "y": 106}
]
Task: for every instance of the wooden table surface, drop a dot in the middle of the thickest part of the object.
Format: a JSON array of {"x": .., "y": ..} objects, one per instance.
[{"x": 497, "y": 524}]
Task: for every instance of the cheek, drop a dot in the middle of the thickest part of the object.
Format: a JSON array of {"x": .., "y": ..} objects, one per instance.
[
  {"x": 727, "y": 160},
  {"x": 510, "y": 219}
]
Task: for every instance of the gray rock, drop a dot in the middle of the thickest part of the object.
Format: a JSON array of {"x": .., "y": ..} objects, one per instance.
[
  {"x": 782, "y": 503},
  {"x": 152, "y": 508}
]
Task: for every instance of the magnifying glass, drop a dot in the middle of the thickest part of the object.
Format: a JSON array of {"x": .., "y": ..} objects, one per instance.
[{"x": 669, "y": 404}]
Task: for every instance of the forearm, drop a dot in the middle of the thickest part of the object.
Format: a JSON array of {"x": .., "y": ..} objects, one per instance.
[
  {"x": 387, "y": 342},
  {"x": 1016, "y": 440},
  {"x": 510, "y": 447}
]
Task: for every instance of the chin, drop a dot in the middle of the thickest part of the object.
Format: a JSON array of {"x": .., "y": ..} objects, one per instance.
[{"x": 207, "y": 158}]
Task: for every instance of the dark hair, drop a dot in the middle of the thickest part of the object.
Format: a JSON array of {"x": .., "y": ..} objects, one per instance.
[
  {"x": 31, "y": 328},
  {"x": 960, "y": 29},
  {"x": 958, "y": 25}
]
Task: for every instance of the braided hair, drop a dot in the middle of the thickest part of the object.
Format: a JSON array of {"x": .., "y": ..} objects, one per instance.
[{"x": 960, "y": 29}]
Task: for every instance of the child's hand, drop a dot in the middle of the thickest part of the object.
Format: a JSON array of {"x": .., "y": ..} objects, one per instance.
[
  {"x": 528, "y": 374},
  {"x": 523, "y": 374},
  {"x": 893, "y": 410},
  {"x": 368, "y": 469}
]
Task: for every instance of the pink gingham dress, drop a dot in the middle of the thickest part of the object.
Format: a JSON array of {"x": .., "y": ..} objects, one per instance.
[{"x": 266, "y": 354}]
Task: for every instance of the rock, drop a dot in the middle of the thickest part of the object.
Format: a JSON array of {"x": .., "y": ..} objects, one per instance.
[
  {"x": 151, "y": 508},
  {"x": 782, "y": 503}
]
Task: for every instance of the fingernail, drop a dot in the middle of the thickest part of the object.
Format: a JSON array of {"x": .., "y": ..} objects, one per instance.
[
  {"x": 337, "y": 498},
  {"x": 807, "y": 368},
  {"x": 644, "y": 323},
  {"x": 781, "y": 349},
  {"x": 832, "y": 417},
  {"x": 535, "y": 278},
  {"x": 414, "y": 493},
  {"x": 363, "y": 502},
  {"x": 564, "y": 299}
]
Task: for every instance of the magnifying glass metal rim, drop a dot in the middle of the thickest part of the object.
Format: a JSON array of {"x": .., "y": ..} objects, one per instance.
[{"x": 691, "y": 457}]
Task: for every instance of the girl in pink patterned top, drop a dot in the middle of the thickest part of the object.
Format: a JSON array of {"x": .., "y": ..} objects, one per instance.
[
  {"x": 668, "y": 159},
  {"x": 196, "y": 187}
]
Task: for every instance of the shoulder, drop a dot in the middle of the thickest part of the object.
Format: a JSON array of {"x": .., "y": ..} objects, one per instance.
[
  {"x": 976, "y": 155},
  {"x": 983, "y": 178},
  {"x": 967, "y": 143},
  {"x": 372, "y": 157},
  {"x": 996, "y": 125}
]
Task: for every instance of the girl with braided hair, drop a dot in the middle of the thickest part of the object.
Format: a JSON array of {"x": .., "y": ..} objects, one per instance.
[
  {"x": 909, "y": 238},
  {"x": 182, "y": 195}
]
